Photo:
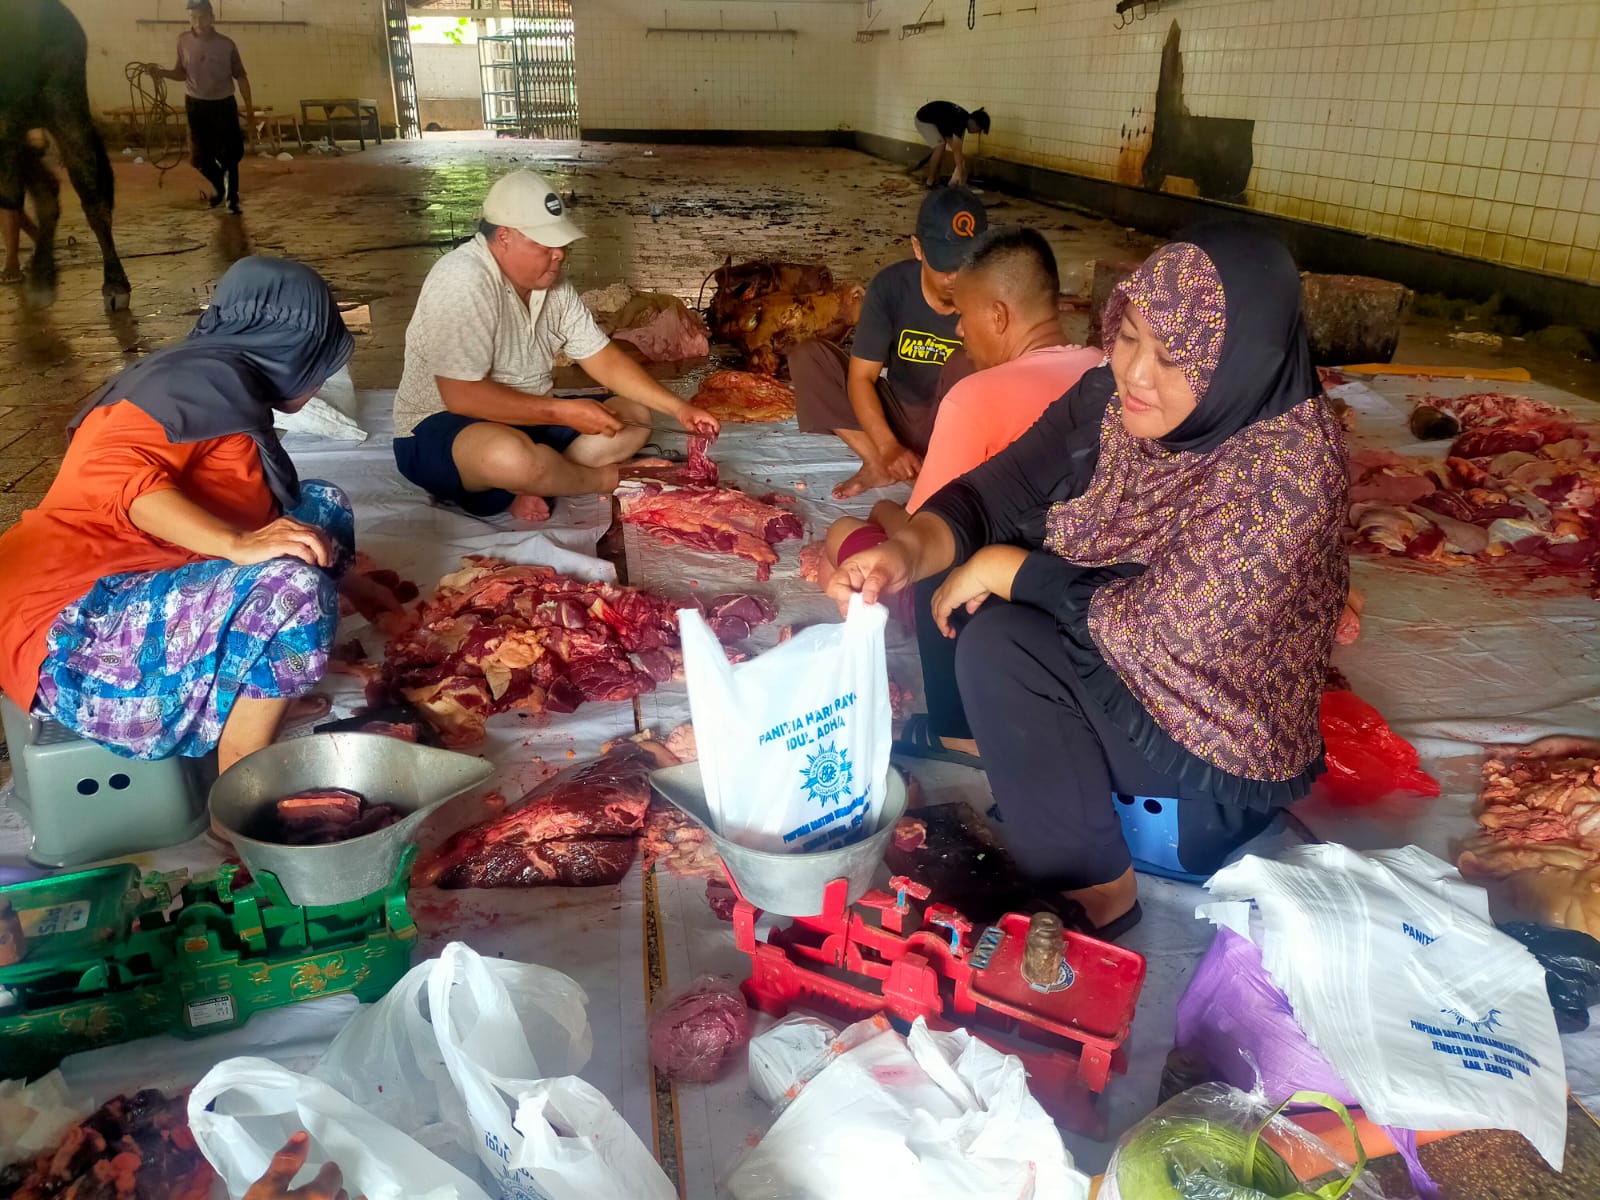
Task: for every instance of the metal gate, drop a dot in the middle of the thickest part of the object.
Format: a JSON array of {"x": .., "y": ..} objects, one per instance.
[{"x": 529, "y": 83}]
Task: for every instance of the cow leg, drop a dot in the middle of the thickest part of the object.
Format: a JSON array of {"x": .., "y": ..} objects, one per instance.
[
  {"x": 11, "y": 201},
  {"x": 90, "y": 171},
  {"x": 45, "y": 192}
]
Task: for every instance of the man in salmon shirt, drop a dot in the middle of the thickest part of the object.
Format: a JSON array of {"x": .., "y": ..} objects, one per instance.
[{"x": 1005, "y": 293}]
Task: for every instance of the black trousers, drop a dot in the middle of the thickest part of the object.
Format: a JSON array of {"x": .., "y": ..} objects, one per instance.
[
  {"x": 1055, "y": 760},
  {"x": 217, "y": 141}
]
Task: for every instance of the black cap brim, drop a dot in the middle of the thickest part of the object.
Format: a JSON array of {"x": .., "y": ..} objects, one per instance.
[{"x": 944, "y": 256}]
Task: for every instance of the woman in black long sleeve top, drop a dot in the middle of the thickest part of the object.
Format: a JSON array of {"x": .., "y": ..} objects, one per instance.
[{"x": 1159, "y": 572}]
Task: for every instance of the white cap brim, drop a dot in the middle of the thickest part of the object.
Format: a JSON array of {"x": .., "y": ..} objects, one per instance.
[{"x": 553, "y": 234}]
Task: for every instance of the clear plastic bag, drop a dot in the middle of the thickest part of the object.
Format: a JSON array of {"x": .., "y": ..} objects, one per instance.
[
  {"x": 699, "y": 1030},
  {"x": 1215, "y": 1142}
]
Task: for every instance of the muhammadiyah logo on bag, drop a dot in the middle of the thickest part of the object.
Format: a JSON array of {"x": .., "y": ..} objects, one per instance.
[
  {"x": 918, "y": 347},
  {"x": 827, "y": 774}
]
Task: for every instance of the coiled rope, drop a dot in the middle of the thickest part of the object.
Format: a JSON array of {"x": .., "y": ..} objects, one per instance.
[{"x": 154, "y": 122}]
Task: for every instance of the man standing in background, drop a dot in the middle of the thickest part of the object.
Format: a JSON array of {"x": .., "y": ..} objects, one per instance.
[{"x": 209, "y": 65}]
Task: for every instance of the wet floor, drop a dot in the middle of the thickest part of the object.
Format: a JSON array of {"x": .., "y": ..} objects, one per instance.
[{"x": 373, "y": 222}]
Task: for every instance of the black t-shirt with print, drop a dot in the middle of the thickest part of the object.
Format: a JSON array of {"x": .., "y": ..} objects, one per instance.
[
  {"x": 898, "y": 329},
  {"x": 949, "y": 119}
]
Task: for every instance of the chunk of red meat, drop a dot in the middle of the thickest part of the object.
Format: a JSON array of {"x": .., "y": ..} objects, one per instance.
[
  {"x": 1486, "y": 443},
  {"x": 320, "y": 804},
  {"x": 578, "y": 830},
  {"x": 497, "y": 637},
  {"x": 720, "y": 519}
]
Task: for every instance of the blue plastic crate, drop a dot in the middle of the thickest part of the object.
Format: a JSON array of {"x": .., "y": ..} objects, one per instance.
[{"x": 1150, "y": 826}]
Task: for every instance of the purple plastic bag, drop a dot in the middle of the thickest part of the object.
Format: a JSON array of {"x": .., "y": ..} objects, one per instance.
[{"x": 1234, "y": 1017}]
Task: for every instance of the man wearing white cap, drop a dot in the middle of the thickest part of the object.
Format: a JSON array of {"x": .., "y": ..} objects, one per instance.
[{"x": 475, "y": 423}]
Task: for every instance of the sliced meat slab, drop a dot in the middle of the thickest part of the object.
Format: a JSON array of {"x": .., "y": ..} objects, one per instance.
[{"x": 580, "y": 829}]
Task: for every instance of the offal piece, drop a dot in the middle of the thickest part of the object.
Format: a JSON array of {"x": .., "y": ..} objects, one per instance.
[
  {"x": 322, "y": 816},
  {"x": 1537, "y": 849},
  {"x": 131, "y": 1148},
  {"x": 910, "y": 833},
  {"x": 580, "y": 829},
  {"x": 717, "y": 519},
  {"x": 740, "y": 397},
  {"x": 811, "y": 560}
]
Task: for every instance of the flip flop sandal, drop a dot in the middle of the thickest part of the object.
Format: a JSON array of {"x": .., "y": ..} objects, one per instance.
[
  {"x": 917, "y": 741},
  {"x": 12, "y": 277},
  {"x": 1073, "y": 917}
]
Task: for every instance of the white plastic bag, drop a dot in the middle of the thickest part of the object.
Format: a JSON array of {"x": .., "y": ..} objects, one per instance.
[
  {"x": 331, "y": 413},
  {"x": 1432, "y": 1016},
  {"x": 475, "y": 1055},
  {"x": 933, "y": 1115},
  {"x": 34, "y": 1117},
  {"x": 794, "y": 744},
  {"x": 788, "y": 1056},
  {"x": 245, "y": 1109}
]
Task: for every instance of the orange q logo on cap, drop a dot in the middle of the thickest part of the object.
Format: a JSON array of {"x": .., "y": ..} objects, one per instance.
[{"x": 964, "y": 224}]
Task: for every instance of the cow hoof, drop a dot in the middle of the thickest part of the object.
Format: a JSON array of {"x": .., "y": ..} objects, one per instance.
[
  {"x": 117, "y": 299},
  {"x": 41, "y": 297}
]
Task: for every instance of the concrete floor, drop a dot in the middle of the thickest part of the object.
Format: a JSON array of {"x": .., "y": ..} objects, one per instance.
[{"x": 660, "y": 217}]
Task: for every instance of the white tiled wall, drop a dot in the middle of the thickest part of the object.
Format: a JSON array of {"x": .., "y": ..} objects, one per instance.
[
  {"x": 629, "y": 78},
  {"x": 340, "y": 50},
  {"x": 1466, "y": 125}
]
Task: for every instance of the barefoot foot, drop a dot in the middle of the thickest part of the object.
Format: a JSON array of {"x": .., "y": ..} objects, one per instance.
[
  {"x": 308, "y": 708},
  {"x": 530, "y": 508},
  {"x": 868, "y": 478}
]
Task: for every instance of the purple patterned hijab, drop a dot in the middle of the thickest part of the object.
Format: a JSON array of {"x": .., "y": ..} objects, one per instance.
[{"x": 1224, "y": 638}]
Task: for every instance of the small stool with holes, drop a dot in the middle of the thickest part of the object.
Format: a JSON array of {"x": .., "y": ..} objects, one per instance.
[
  {"x": 85, "y": 803},
  {"x": 1150, "y": 825}
]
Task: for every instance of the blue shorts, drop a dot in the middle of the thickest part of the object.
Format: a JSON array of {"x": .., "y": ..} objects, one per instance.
[{"x": 425, "y": 459}]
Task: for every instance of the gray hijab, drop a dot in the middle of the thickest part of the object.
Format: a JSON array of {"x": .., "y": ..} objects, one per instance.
[{"x": 273, "y": 332}]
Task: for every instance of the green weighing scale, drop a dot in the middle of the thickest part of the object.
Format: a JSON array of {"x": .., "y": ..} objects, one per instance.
[{"x": 110, "y": 956}]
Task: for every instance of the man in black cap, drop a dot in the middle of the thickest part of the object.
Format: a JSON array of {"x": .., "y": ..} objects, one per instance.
[{"x": 881, "y": 398}]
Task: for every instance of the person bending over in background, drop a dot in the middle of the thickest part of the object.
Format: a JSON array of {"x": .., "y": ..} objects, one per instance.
[
  {"x": 1006, "y": 295},
  {"x": 209, "y": 66},
  {"x": 1156, "y": 573},
  {"x": 943, "y": 125},
  {"x": 881, "y": 398},
  {"x": 175, "y": 588},
  {"x": 475, "y": 424}
]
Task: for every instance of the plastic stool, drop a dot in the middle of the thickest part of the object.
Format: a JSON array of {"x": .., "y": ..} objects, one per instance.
[
  {"x": 85, "y": 803},
  {"x": 1150, "y": 826}
]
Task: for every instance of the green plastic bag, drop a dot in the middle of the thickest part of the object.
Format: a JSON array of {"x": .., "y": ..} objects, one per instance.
[{"x": 1215, "y": 1142}]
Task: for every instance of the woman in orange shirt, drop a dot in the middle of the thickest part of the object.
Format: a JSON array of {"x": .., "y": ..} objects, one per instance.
[{"x": 176, "y": 587}]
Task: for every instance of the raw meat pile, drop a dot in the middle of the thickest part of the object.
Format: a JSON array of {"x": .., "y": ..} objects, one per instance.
[
  {"x": 1538, "y": 841},
  {"x": 498, "y": 636},
  {"x": 322, "y": 816},
  {"x": 132, "y": 1148},
  {"x": 1523, "y": 478},
  {"x": 714, "y": 518},
  {"x": 766, "y": 308},
  {"x": 739, "y": 397},
  {"x": 580, "y": 829},
  {"x": 696, "y": 1033}
]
